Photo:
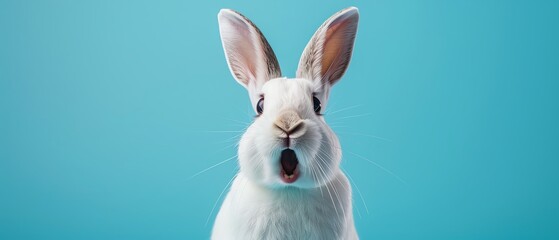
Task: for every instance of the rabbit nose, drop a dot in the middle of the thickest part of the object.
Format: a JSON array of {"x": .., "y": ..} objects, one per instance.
[{"x": 290, "y": 125}]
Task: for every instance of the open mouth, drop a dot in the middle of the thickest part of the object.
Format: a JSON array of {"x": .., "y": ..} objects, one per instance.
[{"x": 289, "y": 170}]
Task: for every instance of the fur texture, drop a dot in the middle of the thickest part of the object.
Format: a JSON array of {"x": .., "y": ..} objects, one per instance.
[{"x": 260, "y": 204}]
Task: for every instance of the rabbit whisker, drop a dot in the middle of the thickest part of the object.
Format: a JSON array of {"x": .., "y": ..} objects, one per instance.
[
  {"x": 358, "y": 191},
  {"x": 327, "y": 185},
  {"x": 365, "y": 135},
  {"x": 353, "y": 116},
  {"x": 379, "y": 166},
  {"x": 237, "y": 121},
  {"x": 316, "y": 178},
  {"x": 337, "y": 126},
  {"x": 213, "y": 166},
  {"x": 337, "y": 194},
  {"x": 234, "y": 138},
  {"x": 351, "y": 181},
  {"x": 225, "y": 131},
  {"x": 219, "y": 197},
  {"x": 228, "y": 146},
  {"x": 343, "y": 109}
]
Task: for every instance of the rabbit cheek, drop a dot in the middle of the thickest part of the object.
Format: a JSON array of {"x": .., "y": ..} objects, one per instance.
[
  {"x": 307, "y": 149},
  {"x": 258, "y": 149},
  {"x": 250, "y": 154},
  {"x": 325, "y": 157}
]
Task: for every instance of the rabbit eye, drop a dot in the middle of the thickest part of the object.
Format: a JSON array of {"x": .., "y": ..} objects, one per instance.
[
  {"x": 260, "y": 106},
  {"x": 316, "y": 104}
]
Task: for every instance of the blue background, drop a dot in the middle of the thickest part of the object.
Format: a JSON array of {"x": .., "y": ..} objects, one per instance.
[{"x": 108, "y": 108}]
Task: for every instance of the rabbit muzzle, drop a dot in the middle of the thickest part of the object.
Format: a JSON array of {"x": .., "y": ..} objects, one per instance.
[{"x": 289, "y": 125}]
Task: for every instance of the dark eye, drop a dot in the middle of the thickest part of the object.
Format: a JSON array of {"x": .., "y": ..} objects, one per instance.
[
  {"x": 316, "y": 104},
  {"x": 260, "y": 106}
]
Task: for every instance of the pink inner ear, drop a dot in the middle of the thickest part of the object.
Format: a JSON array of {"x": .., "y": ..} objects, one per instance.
[
  {"x": 333, "y": 44},
  {"x": 240, "y": 49},
  {"x": 249, "y": 55}
]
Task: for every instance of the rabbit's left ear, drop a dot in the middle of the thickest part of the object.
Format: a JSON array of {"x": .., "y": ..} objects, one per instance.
[
  {"x": 249, "y": 56},
  {"x": 327, "y": 55}
]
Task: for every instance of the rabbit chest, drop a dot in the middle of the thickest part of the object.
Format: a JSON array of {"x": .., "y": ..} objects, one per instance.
[{"x": 253, "y": 212}]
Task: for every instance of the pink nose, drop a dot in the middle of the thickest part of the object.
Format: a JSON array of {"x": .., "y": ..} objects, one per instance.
[{"x": 290, "y": 125}]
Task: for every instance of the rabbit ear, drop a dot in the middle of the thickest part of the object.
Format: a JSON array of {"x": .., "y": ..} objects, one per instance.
[
  {"x": 327, "y": 55},
  {"x": 249, "y": 56}
]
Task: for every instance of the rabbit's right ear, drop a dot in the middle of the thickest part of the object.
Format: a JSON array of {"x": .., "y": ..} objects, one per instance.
[
  {"x": 249, "y": 56},
  {"x": 327, "y": 55}
]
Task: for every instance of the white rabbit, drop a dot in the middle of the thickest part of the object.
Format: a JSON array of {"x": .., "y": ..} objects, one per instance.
[{"x": 290, "y": 185}]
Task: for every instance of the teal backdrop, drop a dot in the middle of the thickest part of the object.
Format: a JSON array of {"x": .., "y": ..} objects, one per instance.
[{"x": 110, "y": 112}]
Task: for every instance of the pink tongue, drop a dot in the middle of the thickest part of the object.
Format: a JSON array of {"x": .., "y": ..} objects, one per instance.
[{"x": 288, "y": 161}]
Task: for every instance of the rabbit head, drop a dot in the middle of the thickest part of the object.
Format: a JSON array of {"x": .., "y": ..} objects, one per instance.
[{"x": 289, "y": 142}]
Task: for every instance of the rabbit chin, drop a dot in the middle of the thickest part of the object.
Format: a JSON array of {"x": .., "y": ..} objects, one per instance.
[{"x": 317, "y": 152}]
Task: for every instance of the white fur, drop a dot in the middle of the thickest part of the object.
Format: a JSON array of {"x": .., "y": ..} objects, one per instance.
[
  {"x": 252, "y": 211},
  {"x": 260, "y": 205}
]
